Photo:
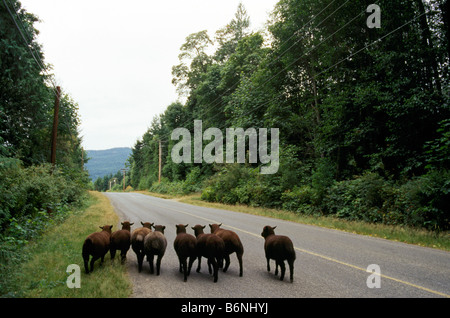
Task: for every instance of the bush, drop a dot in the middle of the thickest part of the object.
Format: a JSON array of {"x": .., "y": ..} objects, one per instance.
[
  {"x": 299, "y": 198},
  {"x": 359, "y": 199},
  {"x": 421, "y": 202},
  {"x": 424, "y": 201},
  {"x": 167, "y": 187},
  {"x": 193, "y": 181},
  {"x": 237, "y": 183},
  {"x": 26, "y": 192},
  {"x": 31, "y": 199}
]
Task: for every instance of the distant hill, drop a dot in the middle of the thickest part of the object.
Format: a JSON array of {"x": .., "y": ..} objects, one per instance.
[{"x": 104, "y": 162}]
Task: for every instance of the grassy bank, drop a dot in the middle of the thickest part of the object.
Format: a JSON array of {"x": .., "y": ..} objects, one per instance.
[
  {"x": 396, "y": 233},
  {"x": 43, "y": 274}
]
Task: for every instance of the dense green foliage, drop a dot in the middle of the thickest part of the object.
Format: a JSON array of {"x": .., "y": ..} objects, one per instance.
[
  {"x": 33, "y": 193},
  {"x": 363, "y": 112}
]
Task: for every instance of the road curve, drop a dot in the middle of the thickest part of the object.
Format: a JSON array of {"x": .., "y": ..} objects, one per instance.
[{"x": 329, "y": 263}]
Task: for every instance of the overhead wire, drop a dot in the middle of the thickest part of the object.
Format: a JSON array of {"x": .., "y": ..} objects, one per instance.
[
  {"x": 38, "y": 59},
  {"x": 304, "y": 53},
  {"x": 344, "y": 59},
  {"x": 284, "y": 42}
]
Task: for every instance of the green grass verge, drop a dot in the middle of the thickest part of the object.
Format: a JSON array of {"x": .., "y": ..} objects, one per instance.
[
  {"x": 392, "y": 232},
  {"x": 44, "y": 274}
]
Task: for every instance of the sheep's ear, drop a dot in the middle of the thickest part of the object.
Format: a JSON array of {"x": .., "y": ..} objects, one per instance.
[
  {"x": 131, "y": 224},
  {"x": 220, "y": 224},
  {"x": 274, "y": 227},
  {"x": 111, "y": 227},
  {"x": 142, "y": 223},
  {"x": 164, "y": 227},
  {"x": 203, "y": 226},
  {"x": 186, "y": 225},
  {"x": 101, "y": 227}
]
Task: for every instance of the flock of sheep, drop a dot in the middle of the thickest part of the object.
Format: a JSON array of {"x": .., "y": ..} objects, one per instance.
[{"x": 215, "y": 247}]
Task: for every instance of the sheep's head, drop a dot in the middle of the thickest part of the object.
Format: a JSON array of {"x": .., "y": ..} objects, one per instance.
[
  {"x": 268, "y": 230},
  {"x": 126, "y": 225},
  {"x": 106, "y": 228},
  {"x": 181, "y": 228},
  {"x": 159, "y": 228},
  {"x": 214, "y": 227},
  {"x": 198, "y": 229},
  {"x": 147, "y": 225}
]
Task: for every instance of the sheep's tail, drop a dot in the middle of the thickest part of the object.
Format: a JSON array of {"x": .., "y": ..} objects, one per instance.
[
  {"x": 140, "y": 238},
  {"x": 87, "y": 247}
]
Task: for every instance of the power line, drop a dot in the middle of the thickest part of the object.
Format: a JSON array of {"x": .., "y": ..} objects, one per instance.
[
  {"x": 284, "y": 42},
  {"x": 280, "y": 55},
  {"x": 342, "y": 60},
  {"x": 38, "y": 60},
  {"x": 297, "y": 59}
]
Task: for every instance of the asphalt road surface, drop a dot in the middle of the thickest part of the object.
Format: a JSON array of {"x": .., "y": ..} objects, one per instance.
[{"x": 329, "y": 263}]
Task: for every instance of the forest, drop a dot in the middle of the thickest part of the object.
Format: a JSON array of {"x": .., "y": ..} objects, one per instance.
[
  {"x": 33, "y": 192},
  {"x": 362, "y": 111}
]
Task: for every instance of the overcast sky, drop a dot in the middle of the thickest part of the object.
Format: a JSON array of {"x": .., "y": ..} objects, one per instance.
[{"x": 114, "y": 58}]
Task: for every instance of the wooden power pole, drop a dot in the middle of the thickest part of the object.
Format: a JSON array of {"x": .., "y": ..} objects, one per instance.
[
  {"x": 55, "y": 126},
  {"x": 124, "y": 176},
  {"x": 159, "y": 175}
]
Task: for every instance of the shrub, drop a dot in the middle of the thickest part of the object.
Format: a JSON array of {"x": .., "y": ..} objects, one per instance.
[
  {"x": 361, "y": 198},
  {"x": 424, "y": 201},
  {"x": 26, "y": 192},
  {"x": 421, "y": 202},
  {"x": 297, "y": 199},
  {"x": 193, "y": 181}
]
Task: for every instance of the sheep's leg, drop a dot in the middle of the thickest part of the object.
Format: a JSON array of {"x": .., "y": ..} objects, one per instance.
[
  {"x": 180, "y": 261},
  {"x": 86, "y": 264},
  {"x": 291, "y": 269},
  {"x": 92, "y": 262},
  {"x": 268, "y": 264},
  {"x": 239, "y": 257},
  {"x": 227, "y": 262},
  {"x": 140, "y": 258},
  {"x": 123, "y": 255},
  {"x": 191, "y": 261},
  {"x": 150, "y": 262},
  {"x": 283, "y": 269},
  {"x": 113, "y": 253},
  {"x": 183, "y": 263},
  {"x": 209, "y": 266},
  {"x": 199, "y": 264},
  {"x": 158, "y": 264},
  {"x": 276, "y": 267},
  {"x": 215, "y": 266}
]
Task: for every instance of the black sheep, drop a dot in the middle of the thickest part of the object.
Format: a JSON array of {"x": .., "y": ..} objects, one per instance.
[{"x": 278, "y": 248}]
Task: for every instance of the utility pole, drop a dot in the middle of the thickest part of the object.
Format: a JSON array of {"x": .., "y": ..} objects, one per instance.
[
  {"x": 159, "y": 175},
  {"x": 124, "y": 175},
  {"x": 55, "y": 126}
]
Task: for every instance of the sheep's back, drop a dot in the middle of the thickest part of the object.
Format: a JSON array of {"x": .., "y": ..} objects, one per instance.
[
  {"x": 155, "y": 241},
  {"x": 185, "y": 244},
  {"x": 97, "y": 243},
  {"x": 139, "y": 234},
  {"x": 210, "y": 245},
  {"x": 279, "y": 247},
  {"x": 121, "y": 238},
  {"x": 232, "y": 241}
]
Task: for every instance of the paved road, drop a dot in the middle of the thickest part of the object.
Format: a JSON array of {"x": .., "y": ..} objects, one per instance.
[{"x": 329, "y": 263}]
